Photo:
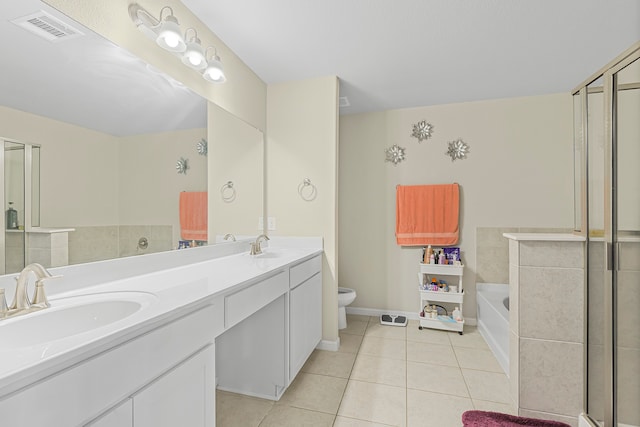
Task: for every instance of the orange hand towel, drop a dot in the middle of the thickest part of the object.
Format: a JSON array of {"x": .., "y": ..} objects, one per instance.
[
  {"x": 193, "y": 215},
  {"x": 427, "y": 214}
]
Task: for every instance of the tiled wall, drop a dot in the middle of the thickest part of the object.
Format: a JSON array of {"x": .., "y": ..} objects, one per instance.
[
  {"x": 14, "y": 251},
  {"x": 547, "y": 328},
  {"x": 628, "y": 334},
  {"x": 595, "y": 326},
  {"x": 87, "y": 244},
  {"x": 492, "y": 251},
  {"x": 48, "y": 249}
]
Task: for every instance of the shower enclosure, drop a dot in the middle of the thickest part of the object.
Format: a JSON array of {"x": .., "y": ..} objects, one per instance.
[
  {"x": 21, "y": 200},
  {"x": 607, "y": 156}
]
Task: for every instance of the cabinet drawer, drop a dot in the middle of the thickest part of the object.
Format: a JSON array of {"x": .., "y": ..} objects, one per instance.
[
  {"x": 301, "y": 272},
  {"x": 244, "y": 303}
]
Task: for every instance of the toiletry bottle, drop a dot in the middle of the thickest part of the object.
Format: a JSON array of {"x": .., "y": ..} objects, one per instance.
[
  {"x": 457, "y": 315},
  {"x": 432, "y": 259},
  {"x": 427, "y": 255},
  {"x": 12, "y": 217},
  {"x": 441, "y": 258}
]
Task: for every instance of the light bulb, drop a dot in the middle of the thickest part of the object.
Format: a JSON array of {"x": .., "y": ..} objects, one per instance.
[
  {"x": 169, "y": 36},
  {"x": 194, "y": 56},
  {"x": 214, "y": 72}
]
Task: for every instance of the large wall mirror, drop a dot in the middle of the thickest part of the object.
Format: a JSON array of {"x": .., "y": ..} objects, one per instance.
[{"x": 111, "y": 131}]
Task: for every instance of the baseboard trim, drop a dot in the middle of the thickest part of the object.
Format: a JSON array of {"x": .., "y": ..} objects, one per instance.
[
  {"x": 329, "y": 345},
  {"x": 412, "y": 315}
]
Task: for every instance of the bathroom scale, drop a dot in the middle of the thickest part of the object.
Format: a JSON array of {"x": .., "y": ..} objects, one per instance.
[{"x": 393, "y": 320}]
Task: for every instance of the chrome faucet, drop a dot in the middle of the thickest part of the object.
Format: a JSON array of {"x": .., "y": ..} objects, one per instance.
[
  {"x": 255, "y": 247},
  {"x": 21, "y": 303},
  {"x": 229, "y": 236}
]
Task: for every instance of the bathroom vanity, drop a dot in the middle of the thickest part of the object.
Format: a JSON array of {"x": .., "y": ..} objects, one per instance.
[{"x": 154, "y": 345}]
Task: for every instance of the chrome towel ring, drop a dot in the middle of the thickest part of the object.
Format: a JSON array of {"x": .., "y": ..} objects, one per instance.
[
  {"x": 228, "y": 192},
  {"x": 307, "y": 190}
]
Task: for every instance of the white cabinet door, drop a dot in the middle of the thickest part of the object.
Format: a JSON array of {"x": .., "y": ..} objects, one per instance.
[
  {"x": 120, "y": 416},
  {"x": 185, "y": 396},
  {"x": 305, "y": 322}
]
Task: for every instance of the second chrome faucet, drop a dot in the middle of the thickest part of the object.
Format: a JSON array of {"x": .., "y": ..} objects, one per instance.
[{"x": 255, "y": 246}]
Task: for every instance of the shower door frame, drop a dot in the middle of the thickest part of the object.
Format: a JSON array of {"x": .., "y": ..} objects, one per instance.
[
  {"x": 28, "y": 196},
  {"x": 608, "y": 74}
]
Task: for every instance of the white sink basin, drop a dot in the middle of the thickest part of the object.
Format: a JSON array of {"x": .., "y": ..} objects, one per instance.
[{"x": 71, "y": 316}]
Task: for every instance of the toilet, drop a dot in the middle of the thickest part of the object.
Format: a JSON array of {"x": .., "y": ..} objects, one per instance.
[{"x": 345, "y": 297}]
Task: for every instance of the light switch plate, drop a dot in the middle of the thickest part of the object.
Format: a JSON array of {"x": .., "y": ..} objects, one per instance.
[{"x": 271, "y": 223}]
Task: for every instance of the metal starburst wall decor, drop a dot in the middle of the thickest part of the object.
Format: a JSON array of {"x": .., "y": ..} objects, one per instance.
[
  {"x": 458, "y": 149},
  {"x": 182, "y": 165},
  {"x": 395, "y": 154},
  {"x": 422, "y": 130},
  {"x": 202, "y": 147}
]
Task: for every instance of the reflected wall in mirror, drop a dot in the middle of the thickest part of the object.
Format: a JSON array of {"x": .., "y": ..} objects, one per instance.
[{"x": 110, "y": 128}]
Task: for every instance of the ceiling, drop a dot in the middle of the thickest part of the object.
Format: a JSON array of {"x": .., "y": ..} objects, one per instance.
[
  {"x": 388, "y": 54},
  {"x": 393, "y": 54},
  {"x": 88, "y": 81}
]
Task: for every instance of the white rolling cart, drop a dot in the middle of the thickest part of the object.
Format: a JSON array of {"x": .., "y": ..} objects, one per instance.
[{"x": 448, "y": 273}]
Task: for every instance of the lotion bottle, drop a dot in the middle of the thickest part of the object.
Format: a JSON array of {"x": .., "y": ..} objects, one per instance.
[{"x": 427, "y": 255}]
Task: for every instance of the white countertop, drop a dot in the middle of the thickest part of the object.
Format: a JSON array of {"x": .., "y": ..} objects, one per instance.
[
  {"x": 178, "y": 289},
  {"x": 41, "y": 230},
  {"x": 545, "y": 237}
]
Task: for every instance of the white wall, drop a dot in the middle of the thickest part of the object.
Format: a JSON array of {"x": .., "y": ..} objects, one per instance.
[
  {"x": 302, "y": 123},
  {"x": 519, "y": 173},
  {"x": 237, "y": 155},
  {"x": 149, "y": 184},
  {"x": 77, "y": 169}
]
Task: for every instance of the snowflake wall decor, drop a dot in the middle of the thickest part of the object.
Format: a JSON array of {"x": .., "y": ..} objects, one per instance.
[
  {"x": 182, "y": 165},
  {"x": 422, "y": 130},
  {"x": 458, "y": 149},
  {"x": 202, "y": 148},
  {"x": 394, "y": 154}
]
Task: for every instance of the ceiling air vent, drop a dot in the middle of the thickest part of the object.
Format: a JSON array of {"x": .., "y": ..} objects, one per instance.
[{"x": 47, "y": 26}]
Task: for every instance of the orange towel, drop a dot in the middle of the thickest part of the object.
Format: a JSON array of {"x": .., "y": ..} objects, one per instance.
[
  {"x": 193, "y": 215},
  {"x": 427, "y": 214}
]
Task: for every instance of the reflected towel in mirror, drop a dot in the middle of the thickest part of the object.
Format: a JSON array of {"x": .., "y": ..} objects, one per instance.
[{"x": 193, "y": 215}]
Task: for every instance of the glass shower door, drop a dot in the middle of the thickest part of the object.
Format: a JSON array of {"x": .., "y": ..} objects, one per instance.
[
  {"x": 14, "y": 206},
  {"x": 626, "y": 244},
  {"x": 594, "y": 110}
]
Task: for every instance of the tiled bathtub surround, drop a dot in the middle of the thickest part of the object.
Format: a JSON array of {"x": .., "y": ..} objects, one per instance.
[
  {"x": 492, "y": 251},
  {"x": 546, "y": 277},
  {"x": 97, "y": 243}
]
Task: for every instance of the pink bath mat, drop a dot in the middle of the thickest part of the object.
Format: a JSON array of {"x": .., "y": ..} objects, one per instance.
[{"x": 496, "y": 419}]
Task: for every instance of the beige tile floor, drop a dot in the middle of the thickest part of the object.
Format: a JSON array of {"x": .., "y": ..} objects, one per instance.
[{"x": 382, "y": 376}]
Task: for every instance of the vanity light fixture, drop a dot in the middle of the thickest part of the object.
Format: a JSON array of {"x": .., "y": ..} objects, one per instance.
[
  {"x": 214, "y": 72},
  {"x": 193, "y": 56},
  {"x": 167, "y": 34}
]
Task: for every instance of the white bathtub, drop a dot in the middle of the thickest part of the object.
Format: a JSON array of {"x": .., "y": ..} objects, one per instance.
[{"x": 493, "y": 319}]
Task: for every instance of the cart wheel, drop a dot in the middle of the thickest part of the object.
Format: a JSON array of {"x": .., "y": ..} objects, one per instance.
[
  {"x": 420, "y": 327},
  {"x": 460, "y": 333}
]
